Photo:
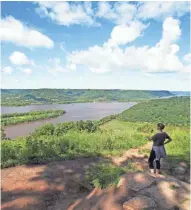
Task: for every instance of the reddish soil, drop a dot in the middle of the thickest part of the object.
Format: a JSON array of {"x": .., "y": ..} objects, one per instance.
[{"x": 39, "y": 186}]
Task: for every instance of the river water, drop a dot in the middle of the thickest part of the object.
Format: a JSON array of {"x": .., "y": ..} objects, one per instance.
[{"x": 74, "y": 112}]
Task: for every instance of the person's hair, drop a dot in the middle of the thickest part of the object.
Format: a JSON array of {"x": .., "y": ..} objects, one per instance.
[{"x": 161, "y": 126}]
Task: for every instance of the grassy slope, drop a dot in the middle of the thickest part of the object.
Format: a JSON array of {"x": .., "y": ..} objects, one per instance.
[
  {"x": 44, "y": 96},
  {"x": 174, "y": 111},
  {"x": 114, "y": 137},
  {"x": 178, "y": 149},
  {"x": 71, "y": 145}
]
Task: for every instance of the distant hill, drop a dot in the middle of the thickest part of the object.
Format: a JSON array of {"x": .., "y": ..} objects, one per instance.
[
  {"x": 43, "y": 96},
  {"x": 174, "y": 111},
  {"x": 181, "y": 93}
]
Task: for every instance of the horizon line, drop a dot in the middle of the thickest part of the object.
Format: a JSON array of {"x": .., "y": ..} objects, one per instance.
[{"x": 92, "y": 89}]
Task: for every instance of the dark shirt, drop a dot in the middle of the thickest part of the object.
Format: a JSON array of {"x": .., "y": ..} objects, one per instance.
[{"x": 159, "y": 138}]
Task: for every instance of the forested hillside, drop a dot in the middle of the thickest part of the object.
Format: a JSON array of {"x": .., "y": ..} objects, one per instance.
[
  {"x": 174, "y": 111},
  {"x": 16, "y": 97}
]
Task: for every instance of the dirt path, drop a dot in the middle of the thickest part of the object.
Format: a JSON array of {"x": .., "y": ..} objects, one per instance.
[{"x": 61, "y": 186}]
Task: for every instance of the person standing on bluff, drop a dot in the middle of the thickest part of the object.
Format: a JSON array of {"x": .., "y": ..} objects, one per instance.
[{"x": 158, "y": 149}]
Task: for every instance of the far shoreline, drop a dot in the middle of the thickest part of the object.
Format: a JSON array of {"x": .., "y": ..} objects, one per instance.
[{"x": 87, "y": 102}]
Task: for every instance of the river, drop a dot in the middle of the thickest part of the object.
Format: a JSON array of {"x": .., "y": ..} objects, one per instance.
[{"x": 74, "y": 112}]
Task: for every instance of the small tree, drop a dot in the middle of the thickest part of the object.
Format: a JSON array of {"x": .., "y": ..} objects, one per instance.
[
  {"x": 3, "y": 135},
  {"x": 46, "y": 129}
]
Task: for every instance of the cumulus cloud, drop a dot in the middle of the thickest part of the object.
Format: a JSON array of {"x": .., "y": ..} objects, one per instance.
[
  {"x": 27, "y": 71},
  {"x": 97, "y": 59},
  {"x": 65, "y": 13},
  {"x": 171, "y": 30},
  {"x": 160, "y": 58},
  {"x": 7, "y": 70},
  {"x": 18, "y": 58},
  {"x": 55, "y": 66},
  {"x": 119, "y": 13},
  {"x": 187, "y": 58},
  {"x": 125, "y": 12},
  {"x": 123, "y": 34},
  {"x": 14, "y": 31},
  {"x": 158, "y": 10}
]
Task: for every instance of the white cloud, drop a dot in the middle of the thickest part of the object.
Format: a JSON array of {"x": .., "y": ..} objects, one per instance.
[
  {"x": 171, "y": 30},
  {"x": 187, "y": 58},
  {"x": 160, "y": 58},
  {"x": 123, "y": 34},
  {"x": 13, "y": 30},
  {"x": 18, "y": 58},
  {"x": 125, "y": 12},
  {"x": 7, "y": 70},
  {"x": 119, "y": 13},
  {"x": 71, "y": 67},
  {"x": 97, "y": 59},
  {"x": 27, "y": 71},
  {"x": 105, "y": 11},
  {"x": 55, "y": 66},
  {"x": 157, "y": 9},
  {"x": 64, "y": 13}
]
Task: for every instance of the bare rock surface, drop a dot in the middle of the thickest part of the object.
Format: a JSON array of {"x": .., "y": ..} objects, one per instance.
[
  {"x": 180, "y": 170},
  {"x": 165, "y": 164},
  {"x": 169, "y": 193},
  {"x": 139, "y": 202},
  {"x": 136, "y": 180}
]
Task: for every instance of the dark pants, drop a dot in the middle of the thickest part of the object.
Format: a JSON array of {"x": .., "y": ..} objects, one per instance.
[{"x": 151, "y": 160}]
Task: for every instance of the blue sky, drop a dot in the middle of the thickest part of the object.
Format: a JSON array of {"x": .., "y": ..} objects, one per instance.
[{"x": 100, "y": 45}]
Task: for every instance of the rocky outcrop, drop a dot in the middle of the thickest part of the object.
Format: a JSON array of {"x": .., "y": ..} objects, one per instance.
[
  {"x": 155, "y": 193},
  {"x": 139, "y": 202},
  {"x": 136, "y": 181}
]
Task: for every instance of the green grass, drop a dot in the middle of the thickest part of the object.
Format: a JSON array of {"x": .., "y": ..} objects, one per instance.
[
  {"x": 179, "y": 149},
  {"x": 103, "y": 175},
  {"x": 113, "y": 138},
  {"x": 40, "y": 148}
]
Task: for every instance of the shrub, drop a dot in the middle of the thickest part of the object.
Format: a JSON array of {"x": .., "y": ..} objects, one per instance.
[
  {"x": 3, "y": 135},
  {"x": 46, "y": 129},
  {"x": 103, "y": 175},
  {"x": 146, "y": 128}
]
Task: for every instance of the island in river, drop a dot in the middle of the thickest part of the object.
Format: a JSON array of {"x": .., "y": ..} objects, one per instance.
[
  {"x": 74, "y": 112},
  {"x": 17, "y": 118}
]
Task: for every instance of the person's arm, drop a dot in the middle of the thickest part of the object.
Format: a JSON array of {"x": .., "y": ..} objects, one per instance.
[
  {"x": 168, "y": 139},
  {"x": 152, "y": 138}
]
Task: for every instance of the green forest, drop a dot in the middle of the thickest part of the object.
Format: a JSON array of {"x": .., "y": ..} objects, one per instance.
[
  {"x": 14, "y": 97},
  {"x": 16, "y": 118},
  {"x": 173, "y": 111}
]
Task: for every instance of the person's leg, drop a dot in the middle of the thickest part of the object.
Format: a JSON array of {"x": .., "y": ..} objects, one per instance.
[
  {"x": 151, "y": 161},
  {"x": 157, "y": 167}
]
